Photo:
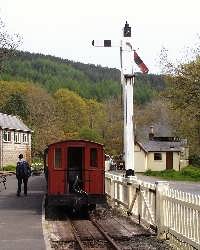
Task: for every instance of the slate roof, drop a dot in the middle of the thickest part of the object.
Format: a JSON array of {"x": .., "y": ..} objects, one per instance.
[
  {"x": 12, "y": 122},
  {"x": 163, "y": 146}
]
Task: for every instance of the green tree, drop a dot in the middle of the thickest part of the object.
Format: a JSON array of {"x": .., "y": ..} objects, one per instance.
[
  {"x": 88, "y": 81},
  {"x": 183, "y": 95},
  {"x": 89, "y": 134},
  {"x": 43, "y": 118},
  {"x": 72, "y": 109},
  {"x": 113, "y": 126},
  {"x": 16, "y": 105}
]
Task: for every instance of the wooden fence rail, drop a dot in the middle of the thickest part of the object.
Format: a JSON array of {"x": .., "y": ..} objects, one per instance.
[{"x": 165, "y": 210}]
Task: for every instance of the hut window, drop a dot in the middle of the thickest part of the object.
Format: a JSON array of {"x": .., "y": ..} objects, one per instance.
[
  {"x": 157, "y": 156},
  {"x": 7, "y": 136},
  {"x": 93, "y": 157},
  {"x": 17, "y": 137},
  {"x": 57, "y": 158}
]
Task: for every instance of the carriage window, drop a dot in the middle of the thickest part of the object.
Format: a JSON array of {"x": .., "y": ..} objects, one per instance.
[
  {"x": 93, "y": 157},
  {"x": 57, "y": 158}
]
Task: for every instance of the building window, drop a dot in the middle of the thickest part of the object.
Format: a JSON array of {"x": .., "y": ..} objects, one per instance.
[
  {"x": 25, "y": 138},
  {"x": 17, "y": 137},
  {"x": 7, "y": 136},
  {"x": 58, "y": 153},
  {"x": 157, "y": 156},
  {"x": 93, "y": 157}
]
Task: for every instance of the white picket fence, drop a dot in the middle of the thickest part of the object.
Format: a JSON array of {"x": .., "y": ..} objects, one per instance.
[{"x": 168, "y": 211}]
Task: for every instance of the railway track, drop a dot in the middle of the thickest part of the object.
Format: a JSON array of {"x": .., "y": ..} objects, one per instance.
[
  {"x": 108, "y": 241},
  {"x": 81, "y": 234},
  {"x": 105, "y": 234}
]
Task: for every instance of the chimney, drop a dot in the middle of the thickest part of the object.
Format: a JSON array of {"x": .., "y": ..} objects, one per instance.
[{"x": 151, "y": 134}]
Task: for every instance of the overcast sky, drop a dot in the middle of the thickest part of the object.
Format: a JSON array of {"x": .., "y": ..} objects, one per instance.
[{"x": 65, "y": 28}]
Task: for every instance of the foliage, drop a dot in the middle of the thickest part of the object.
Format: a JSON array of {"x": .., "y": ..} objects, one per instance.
[
  {"x": 59, "y": 99},
  {"x": 9, "y": 168},
  {"x": 52, "y": 118},
  {"x": 16, "y": 105},
  {"x": 87, "y": 80},
  {"x": 183, "y": 96},
  {"x": 8, "y": 44},
  {"x": 189, "y": 173},
  {"x": 113, "y": 126},
  {"x": 44, "y": 118},
  {"x": 143, "y": 94},
  {"x": 155, "y": 113},
  {"x": 72, "y": 108},
  {"x": 194, "y": 160},
  {"x": 54, "y": 73},
  {"x": 37, "y": 166},
  {"x": 41, "y": 112},
  {"x": 89, "y": 134}
]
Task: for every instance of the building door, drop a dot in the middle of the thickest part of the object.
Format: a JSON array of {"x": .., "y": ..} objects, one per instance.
[{"x": 169, "y": 160}]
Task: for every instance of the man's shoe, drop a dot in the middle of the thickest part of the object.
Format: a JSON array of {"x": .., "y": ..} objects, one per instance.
[
  {"x": 25, "y": 194},
  {"x": 18, "y": 194}
]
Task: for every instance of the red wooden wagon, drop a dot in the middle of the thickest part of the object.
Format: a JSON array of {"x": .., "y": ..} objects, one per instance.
[{"x": 75, "y": 173}]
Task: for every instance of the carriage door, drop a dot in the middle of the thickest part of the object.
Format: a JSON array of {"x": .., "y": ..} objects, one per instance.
[{"x": 74, "y": 167}]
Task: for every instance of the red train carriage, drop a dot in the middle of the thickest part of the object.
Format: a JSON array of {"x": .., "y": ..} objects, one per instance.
[{"x": 75, "y": 173}]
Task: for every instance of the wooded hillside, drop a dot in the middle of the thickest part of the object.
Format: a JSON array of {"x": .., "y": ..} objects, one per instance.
[
  {"x": 61, "y": 99},
  {"x": 87, "y": 80}
]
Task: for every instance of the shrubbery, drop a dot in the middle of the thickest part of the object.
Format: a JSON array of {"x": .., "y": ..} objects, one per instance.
[
  {"x": 189, "y": 173},
  {"x": 9, "y": 168},
  {"x": 195, "y": 160}
]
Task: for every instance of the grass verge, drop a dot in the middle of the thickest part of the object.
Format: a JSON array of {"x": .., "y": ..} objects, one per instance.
[
  {"x": 9, "y": 168},
  {"x": 189, "y": 173}
]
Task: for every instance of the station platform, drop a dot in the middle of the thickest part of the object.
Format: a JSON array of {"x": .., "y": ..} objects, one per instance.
[{"x": 21, "y": 217}]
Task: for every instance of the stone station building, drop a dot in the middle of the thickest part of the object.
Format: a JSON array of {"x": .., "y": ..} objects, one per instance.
[{"x": 15, "y": 139}]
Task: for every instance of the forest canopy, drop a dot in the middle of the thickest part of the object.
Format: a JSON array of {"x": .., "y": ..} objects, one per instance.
[
  {"x": 87, "y": 80},
  {"x": 60, "y": 99}
]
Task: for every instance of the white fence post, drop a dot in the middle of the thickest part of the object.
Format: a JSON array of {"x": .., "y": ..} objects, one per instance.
[
  {"x": 132, "y": 185},
  {"x": 112, "y": 192},
  {"x": 175, "y": 212},
  {"x": 161, "y": 188}
]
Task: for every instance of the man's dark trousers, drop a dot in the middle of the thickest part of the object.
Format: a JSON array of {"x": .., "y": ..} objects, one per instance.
[{"x": 25, "y": 181}]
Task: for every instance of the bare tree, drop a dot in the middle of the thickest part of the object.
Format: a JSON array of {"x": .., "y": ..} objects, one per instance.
[{"x": 8, "y": 43}]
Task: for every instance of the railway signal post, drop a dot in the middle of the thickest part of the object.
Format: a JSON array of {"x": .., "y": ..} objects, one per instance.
[{"x": 127, "y": 81}]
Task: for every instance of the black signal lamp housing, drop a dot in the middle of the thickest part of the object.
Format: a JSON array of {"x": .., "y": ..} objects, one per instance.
[{"x": 127, "y": 30}]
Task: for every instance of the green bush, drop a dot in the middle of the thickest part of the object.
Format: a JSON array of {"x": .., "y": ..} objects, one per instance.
[
  {"x": 37, "y": 165},
  {"x": 189, "y": 173},
  {"x": 9, "y": 168},
  {"x": 194, "y": 160},
  {"x": 148, "y": 172}
]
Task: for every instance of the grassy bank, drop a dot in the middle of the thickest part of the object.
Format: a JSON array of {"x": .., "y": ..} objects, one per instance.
[
  {"x": 189, "y": 173},
  {"x": 9, "y": 168}
]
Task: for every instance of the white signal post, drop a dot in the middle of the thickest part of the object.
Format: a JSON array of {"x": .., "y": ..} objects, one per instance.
[{"x": 127, "y": 81}]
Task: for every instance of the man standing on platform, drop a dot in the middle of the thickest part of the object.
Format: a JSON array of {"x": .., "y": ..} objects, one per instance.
[{"x": 23, "y": 172}]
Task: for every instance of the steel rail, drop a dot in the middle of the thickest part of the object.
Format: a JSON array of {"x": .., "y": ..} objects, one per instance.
[
  {"x": 105, "y": 234},
  {"x": 78, "y": 239}
]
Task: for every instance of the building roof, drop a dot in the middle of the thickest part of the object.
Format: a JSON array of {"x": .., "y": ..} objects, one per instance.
[
  {"x": 163, "y": 146},
  {"x": 12, "y": 122}
]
